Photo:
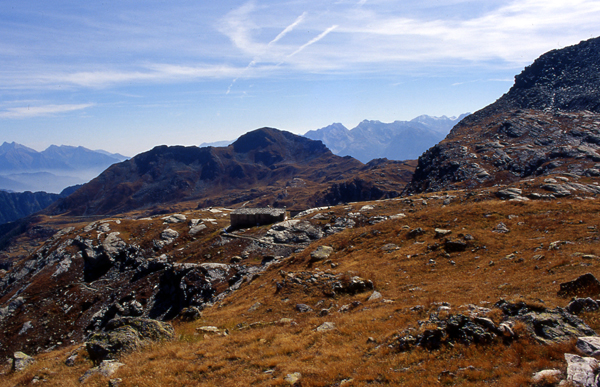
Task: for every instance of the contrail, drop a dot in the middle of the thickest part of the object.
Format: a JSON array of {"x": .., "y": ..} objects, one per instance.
[
  {"x": 285, "y": 31},
  {"x": 314, "y": 40}
]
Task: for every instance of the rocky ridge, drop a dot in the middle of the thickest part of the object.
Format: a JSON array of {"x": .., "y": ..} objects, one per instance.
[
  {"x": 266, "y": 166},
  {"x": 548, "y": 123}
]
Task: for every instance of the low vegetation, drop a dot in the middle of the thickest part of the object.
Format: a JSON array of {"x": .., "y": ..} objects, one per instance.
[{"x": 262, "y": 337}]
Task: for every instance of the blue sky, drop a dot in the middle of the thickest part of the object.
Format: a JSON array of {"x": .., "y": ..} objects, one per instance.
[{"x": 126, "y": 76}]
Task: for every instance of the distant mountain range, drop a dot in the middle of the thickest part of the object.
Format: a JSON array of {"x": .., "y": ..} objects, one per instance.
[
  {"x": 398, "y": 140},
  {"x": 52, "y": 170}
]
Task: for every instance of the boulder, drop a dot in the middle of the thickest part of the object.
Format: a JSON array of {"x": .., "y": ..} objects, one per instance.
[
  {"x": 546, "y": 377},
  {"x": 583, "y": 286},
  {"x": 21, "y": 361},
  {"x": 107, "y": 368},
  {"x": 303, "y": 308},
  {"x": 326, "y": 326},
  {"x": 578, "y": 305},
  {"x": 293, "y": 379},
  {"x": 126, "y": 334},
  {"x": 555, "y": 325},
  {"x": 581, "y": 371},
  {"x": 321, "y": 253},
  {"x": 589, "y": 345}
]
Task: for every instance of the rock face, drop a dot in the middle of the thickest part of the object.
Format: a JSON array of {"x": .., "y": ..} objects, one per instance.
[{"x": 549, "y": 121}]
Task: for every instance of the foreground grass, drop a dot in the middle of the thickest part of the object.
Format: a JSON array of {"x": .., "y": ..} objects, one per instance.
[{"x": 525, "y": 263}]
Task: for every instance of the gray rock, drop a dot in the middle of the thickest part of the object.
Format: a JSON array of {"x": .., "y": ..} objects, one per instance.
[
  {"x": 126, "y": 334},
  {"x": 589, "y": 345},
  {"x": 175, "y": 218},
  {"x": 546, "y": 375},
  {"x": 501, "y": 228},
  {"x": 303, "y": 308},
  {"x": 197, "y": 228},
  {"x": 440, "y": 232},
  {"x": 169, "y": 235},
  {"x": 326, "y": 326},
  {"x": 509, "y": 193},
  {"x": 557, "y": 189},
  {"x": 581, "y": 371},
  {"x": 321, "y": 253},
  {"x": 21, "y": 361},
  {"x": 375, "y": 296},
  {"x": 294, "y": 378},
  {"x": 554, "y": 325},
  {"x": 107, "y": 368},
  {"x": 26, "y": 327}
]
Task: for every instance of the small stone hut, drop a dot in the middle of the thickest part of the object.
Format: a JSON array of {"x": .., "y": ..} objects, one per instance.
[{"x": 250, "y": 217}]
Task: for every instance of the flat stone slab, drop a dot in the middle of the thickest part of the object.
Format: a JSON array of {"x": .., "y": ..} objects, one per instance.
[{"x": 589, "y": 345}]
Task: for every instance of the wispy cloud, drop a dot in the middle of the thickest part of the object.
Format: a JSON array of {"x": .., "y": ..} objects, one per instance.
[
  {"x": 44, "y": 110},
  {"x": 264, "y": 38}
]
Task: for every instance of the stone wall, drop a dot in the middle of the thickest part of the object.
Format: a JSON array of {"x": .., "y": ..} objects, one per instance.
[{"x": 250, "y": 217}]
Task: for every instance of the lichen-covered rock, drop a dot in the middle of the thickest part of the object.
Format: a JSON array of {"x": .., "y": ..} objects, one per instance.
[
  {"x": 107, "y": 368},
  {"x": 321, "y": 253},
  {"x": 126, "y": 334},
  {"x": 109, "y": 345},
  {"x": 21, "y": 361}
]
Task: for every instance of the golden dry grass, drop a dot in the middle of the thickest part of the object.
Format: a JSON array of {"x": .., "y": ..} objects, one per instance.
[{"x": 493, "y": 266}]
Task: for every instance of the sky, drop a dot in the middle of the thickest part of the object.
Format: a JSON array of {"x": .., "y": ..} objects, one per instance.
[{"x": 125, "y": 76}]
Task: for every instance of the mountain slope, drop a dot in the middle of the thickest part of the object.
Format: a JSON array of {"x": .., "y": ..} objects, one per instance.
[
  {"x": 16, "y": 205},
  {"x": 261, "y": 164},
  {"x": 399, "y": 140},
  {"x": 548, "y": 122}
]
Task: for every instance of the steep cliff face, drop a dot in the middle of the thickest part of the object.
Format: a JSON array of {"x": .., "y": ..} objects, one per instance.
[{"x": 548, "y": 122}]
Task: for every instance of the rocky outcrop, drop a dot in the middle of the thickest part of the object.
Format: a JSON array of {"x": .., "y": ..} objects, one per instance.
[
  {"x": 548, "y": 122},
  {"x": 583, "y": 286},
  {"x": 545, "y": 325},
  {"x": 124, "y": 335}
]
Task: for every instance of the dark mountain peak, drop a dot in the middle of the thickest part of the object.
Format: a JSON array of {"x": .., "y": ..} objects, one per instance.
[
  {"x": 546, "y": 123},
  {"x": 280, "y": 144},
  {"x": 165, "y": 174},
  {"x": 566, "y": 79}
]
